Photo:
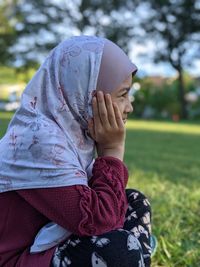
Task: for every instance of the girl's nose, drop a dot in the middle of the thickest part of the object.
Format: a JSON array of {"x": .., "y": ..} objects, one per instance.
[{"x": 129, "y": 107}]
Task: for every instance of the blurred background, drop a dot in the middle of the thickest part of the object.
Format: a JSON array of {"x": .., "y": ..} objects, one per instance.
[
  {"x": 163, "y": 135},
  {"x": 161, "y": 37}
]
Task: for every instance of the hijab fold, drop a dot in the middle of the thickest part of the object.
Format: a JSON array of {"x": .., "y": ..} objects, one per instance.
[{"x": 46, "y": 144}]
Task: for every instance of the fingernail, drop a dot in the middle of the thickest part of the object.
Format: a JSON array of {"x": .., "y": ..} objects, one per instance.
[{"x": 99, "y": 92}]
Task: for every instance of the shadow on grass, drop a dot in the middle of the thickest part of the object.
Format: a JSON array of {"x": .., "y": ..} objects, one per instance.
[{"x": 172, "y": 156}]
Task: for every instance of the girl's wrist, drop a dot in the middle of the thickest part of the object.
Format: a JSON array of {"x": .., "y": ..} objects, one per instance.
[{"x": 117, "y": 152}]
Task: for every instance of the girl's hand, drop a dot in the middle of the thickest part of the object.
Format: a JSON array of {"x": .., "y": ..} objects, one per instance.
[{"x": 107, "y": 127}]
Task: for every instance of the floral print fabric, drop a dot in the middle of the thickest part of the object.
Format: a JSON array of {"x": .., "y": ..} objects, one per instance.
[
  {"x": 126, "y": 247},
  {"x": 46, "y": 144}
]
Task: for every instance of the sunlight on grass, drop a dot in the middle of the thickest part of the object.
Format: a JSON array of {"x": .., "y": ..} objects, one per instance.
[
  {"x": 6, "y": 89},
  {"x": 6, "y": 115},
  {"x": 164, "y": 162},
  {"x": 175, "y": 218},
  {"x": 164, "y": 126}
]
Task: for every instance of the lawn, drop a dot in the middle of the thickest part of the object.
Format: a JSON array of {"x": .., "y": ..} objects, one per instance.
[
  {"x": 4, "y": 120},
  {"x": 164, "y": 162}
]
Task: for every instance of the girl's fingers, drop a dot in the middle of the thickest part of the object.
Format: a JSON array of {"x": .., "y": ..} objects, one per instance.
[
  {"x": 110, "y": 110},
  {"x": 118, "y": 116},
  {"x": 106, "y": 114},
  {"x": 97, "y": 120},
  {"x": 102, "y": 109},
  {"x": 91, "y": 128}
]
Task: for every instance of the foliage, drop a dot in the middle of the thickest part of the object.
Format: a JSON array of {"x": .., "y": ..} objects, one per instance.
[
  {"x": 38, "y": 27},
  {"x": 7, "y": 34},
  {"x": 10, "y": 75},
  {"x": 7, "y": 75},
  {"x": 163, "y": 21},
  {"x": 174, "y": 34},
  {"x": 13, "y": 79},
  {"x": 162, "y": 98},
  {"x": 165, "y": 25},
  {"x": 194, "y": 110}
]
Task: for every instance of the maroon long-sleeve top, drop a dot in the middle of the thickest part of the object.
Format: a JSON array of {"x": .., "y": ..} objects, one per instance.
[{"x": 82, "y": 210}]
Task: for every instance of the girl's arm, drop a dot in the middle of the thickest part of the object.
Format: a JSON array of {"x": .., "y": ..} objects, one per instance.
[{"x": 86, "y": 210}]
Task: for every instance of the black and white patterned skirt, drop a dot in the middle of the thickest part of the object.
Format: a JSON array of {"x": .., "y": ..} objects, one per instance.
[{"x": 126, "y": 247}]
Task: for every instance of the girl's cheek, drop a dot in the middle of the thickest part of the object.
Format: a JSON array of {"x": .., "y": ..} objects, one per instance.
[
  {"x": 120, "y": 103},
  {"x": 121, "y": 106}
]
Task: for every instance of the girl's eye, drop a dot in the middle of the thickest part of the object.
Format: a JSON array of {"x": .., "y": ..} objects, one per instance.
[{"x": 124, "y": 95}]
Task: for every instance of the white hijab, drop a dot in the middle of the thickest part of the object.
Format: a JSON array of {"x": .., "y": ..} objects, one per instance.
[{"x": 46, "y": 144}]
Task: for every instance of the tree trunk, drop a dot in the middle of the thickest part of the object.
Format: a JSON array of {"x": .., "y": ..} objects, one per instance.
[{"x": 184, "y": 113}]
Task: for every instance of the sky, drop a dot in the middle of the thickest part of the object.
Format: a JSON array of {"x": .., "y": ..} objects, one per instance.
[{"x": 146, "y": 67}]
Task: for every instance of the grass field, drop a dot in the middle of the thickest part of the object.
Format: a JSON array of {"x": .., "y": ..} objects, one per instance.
[{"x": 164, "y": 162}]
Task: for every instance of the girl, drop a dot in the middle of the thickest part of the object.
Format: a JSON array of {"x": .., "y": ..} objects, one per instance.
[{"x": 76, "y": 102}]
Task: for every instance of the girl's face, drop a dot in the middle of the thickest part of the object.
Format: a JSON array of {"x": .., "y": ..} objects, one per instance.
[{"x": 121, "y": 97}]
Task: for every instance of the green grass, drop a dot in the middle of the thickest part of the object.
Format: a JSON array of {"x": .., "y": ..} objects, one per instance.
[
  {"x": 4, "y": 120},
  {"x": 10, "y": 75},
  {"x": 7, "y": 75},
  {"x": 164, "y": 162},
  {"x": 13, "y": 77}
]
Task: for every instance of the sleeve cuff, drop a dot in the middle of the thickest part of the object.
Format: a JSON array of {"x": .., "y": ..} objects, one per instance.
[{"x": 101, "y": 162}]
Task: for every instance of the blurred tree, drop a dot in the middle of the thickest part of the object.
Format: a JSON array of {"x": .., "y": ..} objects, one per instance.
[
  {"x": 7, "y": 33},
  {"x": 111, "y": 19},
  {"x": 39, "y": 26},
  {"x": 42, "y": 24},
  {"x": 160, "y": 100},
  {"x": 175, "y": 27},
  {"x": 172, "y": 25}
]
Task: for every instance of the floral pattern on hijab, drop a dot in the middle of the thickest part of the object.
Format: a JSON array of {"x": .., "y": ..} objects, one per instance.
[{"x": 46, "y": 144}]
